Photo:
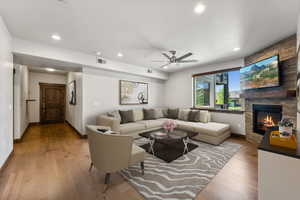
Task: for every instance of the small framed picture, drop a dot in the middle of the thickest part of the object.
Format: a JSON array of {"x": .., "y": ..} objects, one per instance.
[{"x": 72, "y": 92}]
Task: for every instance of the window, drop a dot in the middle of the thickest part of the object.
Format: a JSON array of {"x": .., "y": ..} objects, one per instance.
[
  {"x": 202, "y": 91},
  {"x": 220, "y": 90}
]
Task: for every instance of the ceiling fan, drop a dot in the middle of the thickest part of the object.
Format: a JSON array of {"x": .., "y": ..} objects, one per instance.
[{"x": 172, "y": 58}]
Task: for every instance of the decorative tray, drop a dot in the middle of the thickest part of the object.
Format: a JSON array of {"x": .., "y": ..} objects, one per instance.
[{"x": 276, "y": 140}]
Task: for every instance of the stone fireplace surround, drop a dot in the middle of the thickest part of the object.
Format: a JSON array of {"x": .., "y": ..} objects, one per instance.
[{"x": 283, "y": 95}]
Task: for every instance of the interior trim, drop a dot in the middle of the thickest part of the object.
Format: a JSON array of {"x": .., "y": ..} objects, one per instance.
[
  {"x": 7, "y": 161},
  {"x": 217, "y": 71},
  {"x": 24, "y": 133},
  {"x": 76, "y": 131},
  {"x": 221, "y": 110}
]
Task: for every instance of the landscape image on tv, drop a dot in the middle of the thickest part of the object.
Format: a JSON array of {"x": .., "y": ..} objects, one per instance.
[{"x": 262, "y": 74}]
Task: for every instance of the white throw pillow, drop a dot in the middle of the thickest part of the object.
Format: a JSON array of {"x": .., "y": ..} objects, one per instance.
[
  {"x": 158, "y": 113},
  {"x": 204, "y": 116},
  {"x": 114, "y": 114},
  {"x": 138, "y": 114},
  {"x": 183, "y": 114}
]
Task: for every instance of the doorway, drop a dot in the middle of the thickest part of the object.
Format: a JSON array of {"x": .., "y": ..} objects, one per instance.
[{"x": 52, "y": 103}]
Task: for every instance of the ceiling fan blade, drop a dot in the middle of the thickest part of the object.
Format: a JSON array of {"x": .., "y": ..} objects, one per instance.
[
  {"x": 184, "y": 56},
  {"x": 187, "y": 61},
  {"x": 158, "y": 61},
  {"x": 167, "y": 56},
  {"x": 165, "y": 65}
]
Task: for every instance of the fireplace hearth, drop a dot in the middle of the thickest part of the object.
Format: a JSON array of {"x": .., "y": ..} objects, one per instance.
[{"x": 265, "y": 116}]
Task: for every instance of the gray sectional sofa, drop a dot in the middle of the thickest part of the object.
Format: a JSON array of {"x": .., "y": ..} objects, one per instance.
[{"x": 208, "y": 131}]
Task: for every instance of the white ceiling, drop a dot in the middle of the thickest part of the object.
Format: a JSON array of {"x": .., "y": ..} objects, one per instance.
[{"x": 142, "y": 29}]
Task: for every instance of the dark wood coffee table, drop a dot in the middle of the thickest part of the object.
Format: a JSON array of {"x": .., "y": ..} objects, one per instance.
[{"x": 170, "y": 140}]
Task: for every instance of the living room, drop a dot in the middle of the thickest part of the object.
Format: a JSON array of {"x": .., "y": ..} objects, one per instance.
[{"x": 179, "y": 105}]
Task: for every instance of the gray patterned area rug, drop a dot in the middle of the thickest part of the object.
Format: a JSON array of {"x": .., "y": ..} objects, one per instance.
[{"x": 183, "y": 178}]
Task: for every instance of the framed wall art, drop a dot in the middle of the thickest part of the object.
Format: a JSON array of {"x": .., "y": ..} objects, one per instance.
[
  {"x": 133, "y": 93},
  {"x": 72, "y": 92}
]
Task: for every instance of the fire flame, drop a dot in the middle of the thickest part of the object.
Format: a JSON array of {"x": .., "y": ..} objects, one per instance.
[{"x": 268, "y": 121}]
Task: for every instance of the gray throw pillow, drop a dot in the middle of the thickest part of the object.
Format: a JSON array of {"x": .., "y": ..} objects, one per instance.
[
  {"x": 149, "y": 114},
  {"x": 194, "y": 116},
  {"x": 158, "y": 113},
  {"x": 126, "y": 116},
  {"x": 173, "y": 113}
]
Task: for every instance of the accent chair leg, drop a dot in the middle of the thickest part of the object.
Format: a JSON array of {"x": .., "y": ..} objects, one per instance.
[
  {"x": 106, "y": 182},
  {"x": 143, "y": 167},
  {"x": 91, "y": 166}
]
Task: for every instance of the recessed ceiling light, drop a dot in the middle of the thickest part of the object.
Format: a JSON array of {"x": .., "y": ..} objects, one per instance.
[
  {"x": 50, "y": 69},
  {"x": 56, "y": 37},
  {"x": 120, "y": 54},
  {"x": 199, "y": 8},
  {"x": 236, "y": 49}
]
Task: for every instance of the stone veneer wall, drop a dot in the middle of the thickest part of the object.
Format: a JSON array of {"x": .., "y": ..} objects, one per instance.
[{"x": 286, "y": 49}]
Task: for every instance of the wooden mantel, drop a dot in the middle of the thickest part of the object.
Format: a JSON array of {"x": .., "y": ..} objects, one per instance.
[{"x": 275, "y": 93}]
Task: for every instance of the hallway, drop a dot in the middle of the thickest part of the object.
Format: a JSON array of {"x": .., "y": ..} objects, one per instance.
[{"x": 52, "y": 163}]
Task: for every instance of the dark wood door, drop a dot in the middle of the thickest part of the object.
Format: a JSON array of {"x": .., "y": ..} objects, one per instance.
[{"x": 52, "y": 103}]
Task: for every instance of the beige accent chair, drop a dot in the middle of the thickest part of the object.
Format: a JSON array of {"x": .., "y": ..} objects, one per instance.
[{"x": 113, "y": 152}]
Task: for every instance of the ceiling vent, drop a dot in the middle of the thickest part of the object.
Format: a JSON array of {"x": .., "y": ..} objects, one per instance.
[{"x": 101, "y": 61}]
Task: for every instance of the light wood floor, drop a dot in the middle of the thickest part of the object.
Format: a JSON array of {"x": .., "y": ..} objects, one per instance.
[{"x": 52, "y": 163}]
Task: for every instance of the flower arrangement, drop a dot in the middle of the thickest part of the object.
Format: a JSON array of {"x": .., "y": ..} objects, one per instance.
[
  {"x": 169, "y": 125},
  {"x": 286, "y": 127},
  {"x": 286, "y": 122}
]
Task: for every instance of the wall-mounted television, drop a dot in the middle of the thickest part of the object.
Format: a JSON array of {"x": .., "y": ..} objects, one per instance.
[{"x": 262, "y": 74}]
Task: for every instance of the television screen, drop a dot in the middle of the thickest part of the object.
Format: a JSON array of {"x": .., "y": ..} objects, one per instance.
[{"x": 262, "y": 74}]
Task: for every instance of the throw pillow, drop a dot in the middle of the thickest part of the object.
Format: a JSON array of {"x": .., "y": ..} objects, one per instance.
[
  {"x": 165, "y": 112},
  {"x": 194, "y": 116},
  {"x": 204, "y": 116},
  {"x": 173, "y": 113},
  {"x": 183, "y": 114},
  {"x": 158, "y": 113},
  {"x": 114, "y": 114},
  {"x": 138, "y": 114},
  {"x": 149, "y": 114},
  {"x": 126, "y": 116}
]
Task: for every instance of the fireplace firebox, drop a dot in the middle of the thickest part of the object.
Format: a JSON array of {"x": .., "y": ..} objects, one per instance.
[{"x": 265, "y": 116}]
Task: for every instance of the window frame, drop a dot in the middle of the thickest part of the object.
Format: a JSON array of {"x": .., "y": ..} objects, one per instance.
[{"x": 194, "y": 76}]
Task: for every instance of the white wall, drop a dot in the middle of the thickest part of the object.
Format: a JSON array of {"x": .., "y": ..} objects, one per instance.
[
  {"x": 21, "y": 118},
  {"x": 278, "y": 176},
  {"x": 74, "y": 112},
  {"x": 101, "y": 93},
  {"x": 179, "y": 93},
  {"x": 6, "y": 94},
  {"x": 298, "y": 32},
  {"x": 34, "y": 91},
  {"x": 298, "y": 43}
]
